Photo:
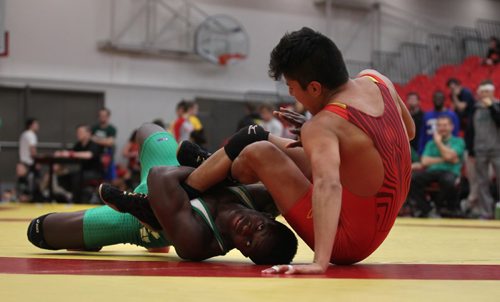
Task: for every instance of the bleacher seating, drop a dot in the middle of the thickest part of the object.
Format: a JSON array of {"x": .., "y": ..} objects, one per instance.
[{"x": 470, "y": 72}]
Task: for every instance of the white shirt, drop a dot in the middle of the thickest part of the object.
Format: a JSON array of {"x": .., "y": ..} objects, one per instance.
[
  {"x": 27, "y": 140},
  {"x": 185, "y": 131},
  {"x": 274, "y": 127}
]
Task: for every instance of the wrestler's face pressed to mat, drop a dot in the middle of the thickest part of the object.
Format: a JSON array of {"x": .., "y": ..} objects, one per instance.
[{"x": 249, "y": 231}]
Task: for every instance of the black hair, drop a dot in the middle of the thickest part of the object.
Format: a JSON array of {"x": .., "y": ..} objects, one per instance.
[
  {"x": 29, "y": 122},
  {"x": 85, "y": 126},
  {"x": 413, "y": 93},
  {"x": 184, "y": 105},
  {"x": 159, "y": 122},
  {"x": 307, "y": 55},
  {"x": 282, "y": 246},
  {"x": 438, "y": 92},
  {"x": 452, "y": 81},
  {"x": 107, "y": 110},
  {"x": 445, "y": 116},
  {"x": 267, "y": 106},
  {"x": 250, "y": 107},
  {"x": 486, "y": 82},
  {"x": 133, "y": 136}
]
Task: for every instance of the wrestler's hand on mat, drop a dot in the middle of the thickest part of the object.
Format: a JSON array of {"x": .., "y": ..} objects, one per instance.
[{"x": 309, "y": 269}]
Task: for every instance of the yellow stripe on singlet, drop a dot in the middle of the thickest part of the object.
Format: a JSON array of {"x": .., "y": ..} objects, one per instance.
[
  {"x": 371, "y": 78},
  {"x": 341, "y": 105}
]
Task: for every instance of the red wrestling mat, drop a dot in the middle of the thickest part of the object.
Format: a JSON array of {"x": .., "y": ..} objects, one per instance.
[{"x": 227, "y": 269}]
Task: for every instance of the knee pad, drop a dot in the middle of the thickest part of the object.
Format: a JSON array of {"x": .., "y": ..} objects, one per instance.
[
  {"x": 35, "y": 233},
  {"x": 243, "y": 138}
]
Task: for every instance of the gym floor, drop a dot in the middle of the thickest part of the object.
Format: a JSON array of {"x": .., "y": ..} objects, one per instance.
[{"x": 422, "y": 259}]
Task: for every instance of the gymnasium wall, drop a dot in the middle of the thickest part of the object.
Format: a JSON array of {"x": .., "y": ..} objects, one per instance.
[{"x": 53, "y": 44}]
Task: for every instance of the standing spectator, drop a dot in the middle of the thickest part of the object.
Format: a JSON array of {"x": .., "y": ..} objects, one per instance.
[
  {"x": 463, "y": 101},
  {"x": 413, "y": 103},
  {"x": 442, "y": 160},
  {"x": 131, "y": 153},
  {"x": 464, "y": 104},
  {"x": 251, "y": 117},
  {"x": 269, "y": 122},
  {"x": 104, "y": 134},
  {"x": 430, "y": 119},
  {"x": 27, "y": 172},
  {"x": 181, "y": 127},
  {"x": 198, "y": 134},
  {"x": 493, "y": 55},
  {"x": 486, "y": 144},
  {"x": 299, "y": 108}
]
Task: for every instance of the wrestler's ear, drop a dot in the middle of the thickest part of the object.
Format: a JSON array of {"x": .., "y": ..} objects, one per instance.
[{"x": 315, "y": 89}]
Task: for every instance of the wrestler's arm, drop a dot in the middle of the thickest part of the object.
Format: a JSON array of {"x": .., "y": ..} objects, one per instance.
[
  {"x": 171, "y": 206},
  {"x": 322, "y": 147}
]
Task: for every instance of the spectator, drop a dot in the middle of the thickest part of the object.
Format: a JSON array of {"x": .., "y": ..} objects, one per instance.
[
  {"x": 463, "y": 101},
  {"x": 91, "y": 169},
  {"x": 251, "y": 117},
  {"x": 299, "y": 108},
  {"x": 27, "y": 173},
  {"x": 269, "y": 122},
  {"x": 493, "y": 55},
  {"x": 430, "y": 119},
  {"x": 104, "y": 134},
  {"x": 486, "y": 145},
  {"x": 442, "y": 160},
  {"x": 181, "y": 127},
  {"x": 198, "y": 134},
  {"x": 413, "y": 103},
  {"x": 131, "y": 153}
]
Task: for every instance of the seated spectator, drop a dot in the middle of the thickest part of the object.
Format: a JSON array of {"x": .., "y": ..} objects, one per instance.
[
  {"x": 413, "y": 103},
  {"x": 442, "y": 163},
  {"x": 269, "y": 122},
  {"x": 493, "y": 55},
  {"x": 91, "y": 167},
  {"x": 430, "y": 118},
  {"x": 486, "y": 145}
]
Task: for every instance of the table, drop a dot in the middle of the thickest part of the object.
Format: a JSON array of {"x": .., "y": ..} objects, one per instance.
[{"x": 50, "y": 160}]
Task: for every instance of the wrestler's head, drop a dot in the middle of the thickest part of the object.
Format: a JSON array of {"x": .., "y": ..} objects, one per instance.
[
  {"x": 312, "y": 65},
  {"x": 261, "y": 238}
]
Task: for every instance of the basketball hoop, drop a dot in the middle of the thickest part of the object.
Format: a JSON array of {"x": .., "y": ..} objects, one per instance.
[
  {"x": 229, "y": 58},
  {"x": 221, "y": 40}
]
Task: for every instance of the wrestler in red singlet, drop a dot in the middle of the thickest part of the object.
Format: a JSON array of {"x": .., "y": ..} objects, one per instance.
[{"x": 365, "y": 221}]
